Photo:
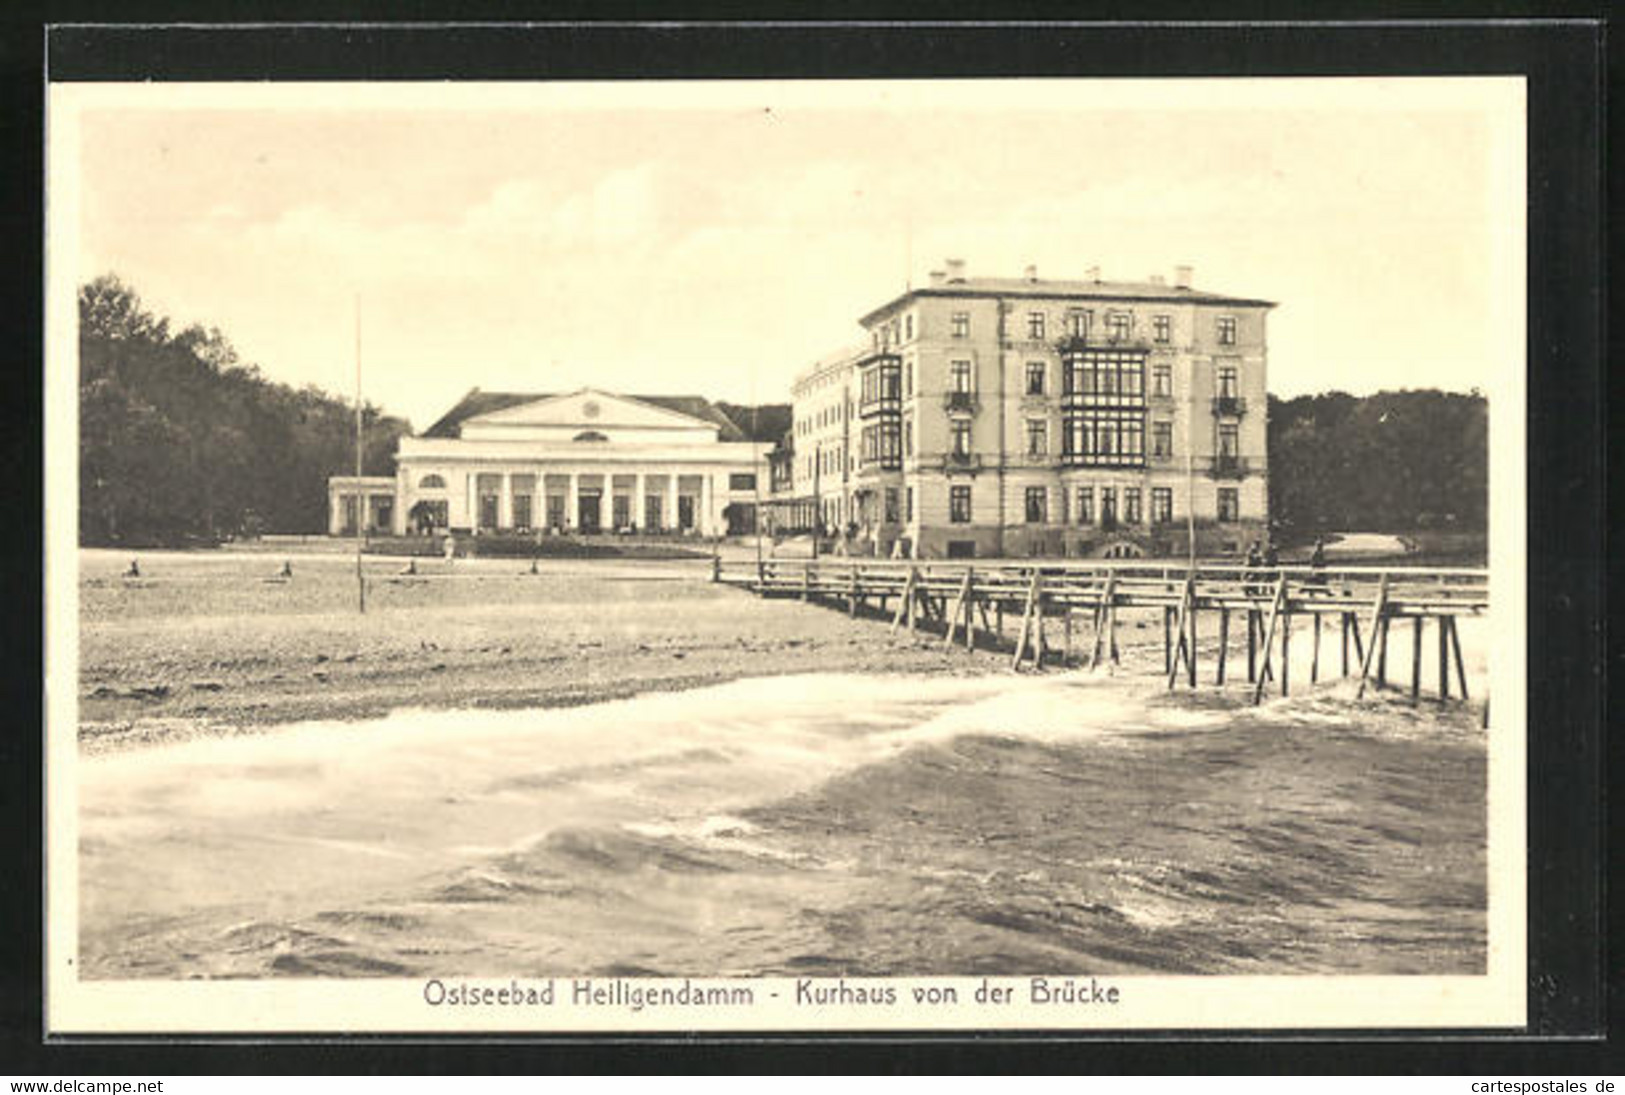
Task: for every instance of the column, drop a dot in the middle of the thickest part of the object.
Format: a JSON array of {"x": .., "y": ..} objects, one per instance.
[
  {"x": 572, "y": 511},
  {"x": 471, "y": 504},
  {"x": 505, "y": 501},
  {"x": 708, "y": 520},
  {"x": 668, "y": 515},
  {"x": 639, "y": 507}
]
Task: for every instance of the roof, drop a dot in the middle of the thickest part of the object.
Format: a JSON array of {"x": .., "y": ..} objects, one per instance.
[
  {"x": 844, "y": 356},
  {"x": 477, "y": 403},
  {"x": 1052, "y": 288}
]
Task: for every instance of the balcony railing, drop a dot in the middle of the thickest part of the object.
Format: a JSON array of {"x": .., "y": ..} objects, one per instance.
[
  {"x": 1229, "y": 405},
  {"x": 961, "y": 461},
  {"x": 1228, "y": 467},
  {"x": 965, "y": 402}
]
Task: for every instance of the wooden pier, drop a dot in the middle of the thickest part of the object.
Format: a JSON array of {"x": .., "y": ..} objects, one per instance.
[{"x": 968, "y": 602}]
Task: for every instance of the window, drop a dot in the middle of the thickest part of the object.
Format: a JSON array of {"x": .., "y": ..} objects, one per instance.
[
  {"x": 908, "y": 378},
  {"x": 1162, "y": 379},
  {"x": 1228, "y": 383},
  {"x": 908, "y": 503},
  {"x": 1077, "y": 324},
  {"x": 432, "y": 482},
  {"x": 1162, "y": 505},
  {"x": 960, "y": 432},
  {"x": 959, "y": 505},
  {"x": 959, "y": 377},
  {"x": 1162, "y": 439},
  {"x": 589, "y": 435},
  {"x": 961, "y": 325},
  {"x": 1229, "y": 440},
  {"x": 908, "y": 326},
  {"x": 1131, "y": 505},
  {"x": 1227, "y": 330},
  {"x": 521, "y": 511},
  {"x": 1108, "y": 506},
  {"x": 1035, "y": 378},
  {"x": 1035, "y": 326},
  {"x": 1229, "y": 505},
  {"x": 1119, "y": 325},
  {"x": 1086, "y": 505},
  {"x": 742, "y": 480},
  {"x": 908, "y": 437},
  {"x": 1037, "y": 437},
  {"x": 1036, "y": 505},
  {"x": 1164, "y": 326},
  {"x": 880, "y": 443},
  {"x": 891, "y": 505}
]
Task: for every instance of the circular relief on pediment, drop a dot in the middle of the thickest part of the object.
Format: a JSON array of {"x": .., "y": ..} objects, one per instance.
[{"x": 591, "y": 408}]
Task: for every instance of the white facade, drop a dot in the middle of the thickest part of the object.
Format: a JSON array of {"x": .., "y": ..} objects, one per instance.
[{"x": 588, "y": 461}]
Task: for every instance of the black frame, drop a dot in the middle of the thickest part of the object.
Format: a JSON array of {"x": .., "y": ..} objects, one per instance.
[{"x": 1566, "y": 503}]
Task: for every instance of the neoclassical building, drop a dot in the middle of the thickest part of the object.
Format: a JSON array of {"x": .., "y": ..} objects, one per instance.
[{"x": 586, "y": 461}]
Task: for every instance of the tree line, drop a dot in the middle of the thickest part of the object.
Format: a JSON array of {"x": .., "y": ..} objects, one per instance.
[
  {"x": 181, "y": 442},
  {"x": 1394, "y": 461}
]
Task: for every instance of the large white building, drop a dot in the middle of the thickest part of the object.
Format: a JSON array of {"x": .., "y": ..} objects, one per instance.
[
  {"x": 587, "y": 461},
  {"x": 988, "y": 416}
]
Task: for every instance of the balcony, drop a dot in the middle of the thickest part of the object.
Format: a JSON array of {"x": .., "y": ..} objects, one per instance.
[
  {"x": 960, "y": 402},
  {"x": 962, "y": 461},
  {"x": 1228, "y": 467},
  {"x": 1229, "y": 406}
]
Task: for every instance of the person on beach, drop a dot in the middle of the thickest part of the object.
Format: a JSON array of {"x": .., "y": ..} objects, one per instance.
[
  {"x": 451, "y": 549},
  {"x": 1255, "y": 559},
  {"x": 287, "y": 569},
  {"x": 134, "y": 571},
  {"x": 1317, "y": 566}
]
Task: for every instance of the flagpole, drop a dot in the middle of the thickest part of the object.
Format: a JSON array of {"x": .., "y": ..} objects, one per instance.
[{"x": 361, "y": 493}]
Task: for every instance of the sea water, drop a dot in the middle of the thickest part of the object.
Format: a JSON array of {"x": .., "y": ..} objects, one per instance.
[{"x": 817, "y": 824}]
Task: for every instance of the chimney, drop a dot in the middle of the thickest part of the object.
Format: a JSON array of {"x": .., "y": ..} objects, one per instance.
[
  {"x": 1182, "y": 277},
  {"x": 938, "y": 277},
  {"x": 1031, "y": 273},
  {"x": 1158, "y": 279},
  {"x": 956, "y": 270},
  {"x": 1092, "y": 274}
]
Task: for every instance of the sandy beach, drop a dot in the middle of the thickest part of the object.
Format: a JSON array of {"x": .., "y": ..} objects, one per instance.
[{"x": 212, "y": 642}]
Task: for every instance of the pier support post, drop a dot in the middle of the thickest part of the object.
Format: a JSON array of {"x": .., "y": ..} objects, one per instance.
[
  {"x": 1343, "y": 629},
  {"x": 1269, "y": 638},
  {"x": 1252, "y": 645},
  {"x": 1190, "y": 652},
  {"x": 1224, "y": 642},
  {"x": 1444, "y": 658},
  {"x": 1378, "y": 620},
  {"x": 1286, "y": 648},
  {"x": 1416, "y": 660},
  {"x": 1314, "y": 658},
  {"x": 1461, "y": 670},
  {"x": 961, "y": 604},
  {"x": 852, "y": 592}
]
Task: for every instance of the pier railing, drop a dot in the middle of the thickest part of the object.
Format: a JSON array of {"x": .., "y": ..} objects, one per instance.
[{"x": 955, "y": 594}]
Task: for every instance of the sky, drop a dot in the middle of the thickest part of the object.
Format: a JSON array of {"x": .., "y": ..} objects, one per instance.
[{"x": 716, "y": 239}]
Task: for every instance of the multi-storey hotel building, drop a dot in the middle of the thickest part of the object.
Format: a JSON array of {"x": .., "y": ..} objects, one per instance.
[{"x": 1023, "y": 416}]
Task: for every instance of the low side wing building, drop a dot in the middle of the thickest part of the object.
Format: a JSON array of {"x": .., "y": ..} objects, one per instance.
[{"x": 587, "y": 461}]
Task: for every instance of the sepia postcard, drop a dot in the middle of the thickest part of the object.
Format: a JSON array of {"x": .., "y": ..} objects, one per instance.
[{"x": 685, "y": 556}]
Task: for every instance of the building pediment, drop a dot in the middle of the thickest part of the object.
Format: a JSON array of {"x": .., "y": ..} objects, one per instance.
[{"x": 585, "y": 410}]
